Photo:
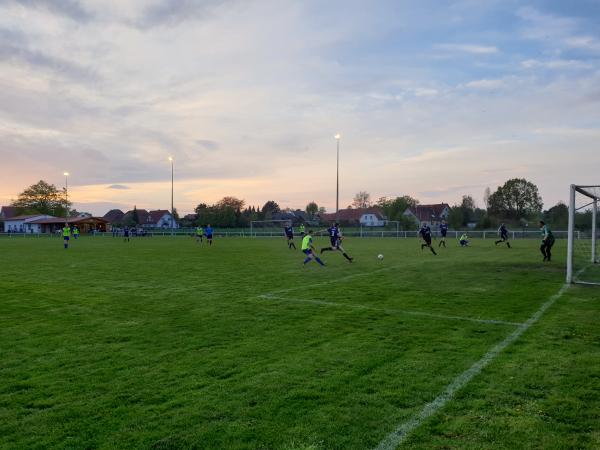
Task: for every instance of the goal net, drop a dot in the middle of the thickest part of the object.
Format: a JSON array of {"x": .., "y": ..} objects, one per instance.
[
  {"x": 268, "y": 228},
  {"x": 582, "y": 252}
]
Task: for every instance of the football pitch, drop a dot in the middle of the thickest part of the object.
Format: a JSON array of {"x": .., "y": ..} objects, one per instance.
[{"x": 161, "y": 343}]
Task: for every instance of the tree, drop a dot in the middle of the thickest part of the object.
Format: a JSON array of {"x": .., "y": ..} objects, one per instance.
[
  {"x": 516, "y": 199},
  {"x": 42, "y": 198},
  {"x": 269, "y": 208},
  {"x": 362, "y": 200},
  {"x": 558, "y": 216},
  {"x": 394, "y": 209},
  {"x": 486, "y": 197},
  {"x": 312, "y": 209},
  {"x": 135, "y": 217},
  {"x": 231, "y": 202}
]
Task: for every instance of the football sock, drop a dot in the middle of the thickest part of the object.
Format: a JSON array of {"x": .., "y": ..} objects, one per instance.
[
  {"x": 319, "y": 260},
  {"x": 306, "y": 260},
  {"x": 347, "y": 257},
  {"x": 432, "y": 250}
]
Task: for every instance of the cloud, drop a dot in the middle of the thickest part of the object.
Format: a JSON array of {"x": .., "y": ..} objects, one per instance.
[
  {"x": 118, "y": 186},
  {"x": 556, "y": 64},
  {"x": 207, "y": 144},
  {"x": 485, "y": 84},
  {"x": 468, "y": 48},
  {"x": 73, "y": 9}
]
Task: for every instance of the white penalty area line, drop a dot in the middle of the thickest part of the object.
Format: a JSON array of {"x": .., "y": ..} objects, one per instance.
[
  {"x": 397, "y": 437},
  {"x": 336, "y": 280},
  {"x": 387, "y": 310}
]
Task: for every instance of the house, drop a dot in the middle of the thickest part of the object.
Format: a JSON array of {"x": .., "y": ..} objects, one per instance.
[
  {"x": 43, "y": 223},
  {"x": 367, "y": 217},
  {"x": 6, "y": 212},
  {"x": 114, "y": 216},
  {"x": 160, "y": 218},
  {"x": 24, "y": 224},
  {"x": 430, "y": 215}
]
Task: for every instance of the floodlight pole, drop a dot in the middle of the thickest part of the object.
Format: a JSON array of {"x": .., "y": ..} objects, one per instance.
[
  {"x": 66, "y": 174},
  {"x": 172, "y": 209},
  {"x": 337, "y": 179}
]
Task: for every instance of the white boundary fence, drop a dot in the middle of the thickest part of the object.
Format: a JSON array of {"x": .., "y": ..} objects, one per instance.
[{"x": 455, "y": 234}]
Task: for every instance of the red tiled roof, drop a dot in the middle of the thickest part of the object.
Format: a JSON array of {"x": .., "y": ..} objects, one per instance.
[
  {"x": 8, "y": 212},
  {"x": 29, "y": 216},
  {"x": 74, "y": 220},
  {"x": 114, "y": 215},
  {"x": 429, "y": 212},
  {"x": 155, "y": 216}
]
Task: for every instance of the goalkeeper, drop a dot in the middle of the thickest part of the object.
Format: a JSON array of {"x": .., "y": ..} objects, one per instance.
[{"x": 547, "y": 241}]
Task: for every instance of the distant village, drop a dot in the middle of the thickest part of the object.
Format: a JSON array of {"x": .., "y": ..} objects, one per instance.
[{"x": 162, "y": 219}]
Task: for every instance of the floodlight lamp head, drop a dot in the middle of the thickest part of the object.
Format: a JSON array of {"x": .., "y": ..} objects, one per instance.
[
  {"x": 171, "y": 158},
  {"x": 66, "y": 174},
  {"x": 338, "y": 136}
]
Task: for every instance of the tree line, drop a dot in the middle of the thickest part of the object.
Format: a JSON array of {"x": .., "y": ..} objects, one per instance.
[{"x": 517, "y": 203}]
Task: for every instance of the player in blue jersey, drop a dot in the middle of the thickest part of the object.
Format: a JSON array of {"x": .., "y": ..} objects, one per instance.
[
  {"x": 425, "y": 233},
  {"x": 289, "y": 234},
  {"x": 443, "y": 233},
  {"x": 208, "y": 232},
  {"x": 335, "y": 239},
  {"x": 503, "y": 233}
]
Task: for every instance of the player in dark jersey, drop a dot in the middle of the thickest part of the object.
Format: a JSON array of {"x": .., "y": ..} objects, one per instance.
[
  {"x": 503, "y": 233},
  {"x": 443, "y": 233},
  {"x": 425, "y": 233},
  {"x": 289, "y": 234},
  {"x": 547, "y": 241},
  {"x": 335, "y": 239},
  {"x": 126, "y": 234}
]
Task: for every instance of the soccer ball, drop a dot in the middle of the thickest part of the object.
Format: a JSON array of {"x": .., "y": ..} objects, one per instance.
[{"x": 380, "y": 256}]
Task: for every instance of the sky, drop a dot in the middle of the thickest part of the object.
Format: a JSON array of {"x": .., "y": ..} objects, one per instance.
[{"x": 435, "y": 99}]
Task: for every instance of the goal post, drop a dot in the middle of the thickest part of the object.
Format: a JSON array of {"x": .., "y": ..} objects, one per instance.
[{"x": 582, "y": 249}]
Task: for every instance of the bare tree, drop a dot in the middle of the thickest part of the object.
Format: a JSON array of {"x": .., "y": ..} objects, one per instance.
[{"x": 362, "y": 200}]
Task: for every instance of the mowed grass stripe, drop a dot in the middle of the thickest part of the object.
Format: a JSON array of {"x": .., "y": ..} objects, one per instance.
[{"x": 155, "y": 344}]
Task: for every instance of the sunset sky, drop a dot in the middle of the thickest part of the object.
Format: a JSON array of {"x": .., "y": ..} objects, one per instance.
[{"x": 433, "y": 98}]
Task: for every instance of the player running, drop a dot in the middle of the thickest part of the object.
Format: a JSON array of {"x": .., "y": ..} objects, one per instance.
[
  {"x": 75, "y": 232},
  {"x": 289, "y": 234},
  {"x": 503, "y": 233},
  {"x": 309, "y": 250},
  {"x": 443, "y": 233},
  {"x": 66, "y": 232},
  {"x": 208, "y": 232},
  {"x": 199, "y": 234},
  {"x": 425, "y": 233},
  {"x": 547, "y": 241},
  {"x": 302, "y": 230},
  {"x": 335, "y": 239}
]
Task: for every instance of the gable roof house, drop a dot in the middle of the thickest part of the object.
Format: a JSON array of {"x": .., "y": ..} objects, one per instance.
[
  {"x": 429, "y": 214},
  {"x": 160, "y": 218},
  {"x": 367, "y": 217},
  {"x": 114, "y": 216}
]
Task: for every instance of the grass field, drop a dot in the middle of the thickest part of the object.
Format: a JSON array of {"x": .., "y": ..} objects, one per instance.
[{"x": 162, "y": 344}]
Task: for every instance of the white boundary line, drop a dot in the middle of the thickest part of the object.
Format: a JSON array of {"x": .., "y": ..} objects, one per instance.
[
  {"x": 396, "y": 437},
  {"x": 391, "y": 311}
]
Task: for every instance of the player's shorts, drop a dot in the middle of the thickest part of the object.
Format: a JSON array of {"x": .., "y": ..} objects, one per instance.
[
  {"x": 427, "y": 239},
  {"x": 307, "y": 251},
  {"x": 66, "y": 238},
  {"x": 209, "y": 236},
  {"x": 75, "y": 236},
  {"x": 335, "y": 242},
  {"x": 444, "y": 234},
  {"x": 126, "y": 234},
  {"x": 290, "y": 237}
]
